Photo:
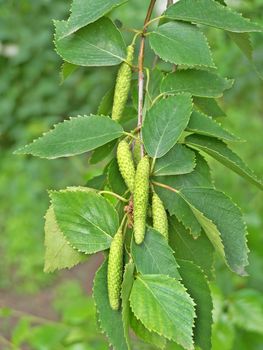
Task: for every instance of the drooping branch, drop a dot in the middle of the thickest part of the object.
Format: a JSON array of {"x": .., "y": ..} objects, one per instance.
[{"x": 140, "y": 70}]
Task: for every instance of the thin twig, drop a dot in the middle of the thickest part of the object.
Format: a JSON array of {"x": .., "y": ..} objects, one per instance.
[
  {"x": 165, "y": 186},
  {"x": 140, "y": 70}
]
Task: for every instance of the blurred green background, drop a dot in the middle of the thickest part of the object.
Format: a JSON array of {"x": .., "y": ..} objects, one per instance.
[{"x": 49, "y": 312}]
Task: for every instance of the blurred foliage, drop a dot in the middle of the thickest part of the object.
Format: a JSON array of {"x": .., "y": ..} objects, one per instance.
[{"x": 32, "y": 99}]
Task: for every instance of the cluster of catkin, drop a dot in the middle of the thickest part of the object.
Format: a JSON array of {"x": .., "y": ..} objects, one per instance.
[{"x": 136, "y": 174}]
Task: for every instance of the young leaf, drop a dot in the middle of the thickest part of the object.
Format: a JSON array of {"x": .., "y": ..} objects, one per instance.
[
  {"x": 147, "y": 336},
  {"x": 208, "y": 106},
  {"x": 87, "y": 220},
  {"x": 222, "y": 221},
  {"x": 164, "y": 124},
  {"x": 98, "y": 44},
  {"x": 162, "y": 304},
  {"x": 74, "y": 136},
  {"x": 59, "y": 254},
  {"x": 197, "y": 286},
  {"x": 203, "y": 125},
  {"x": 196, "y": 82},
  {"x": 125, "y": 295},
  {"x": 84, "y": 12},
  {"x": 211, "y": 13},
  {"x": 110, "y": 321},
  {"x": 200, "y": 251},
  {"x": 219, "y": 150},
  {"x": 200, "y": 176},
  {"x": 154, "y": 256},
  {"x": 246, "y": 310},
  {"x": 181, "y": 43},
  {"x": 179, "y": 160}
]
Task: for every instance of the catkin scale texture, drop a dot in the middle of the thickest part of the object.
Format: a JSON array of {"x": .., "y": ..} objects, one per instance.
[
  {"x": 122, "y": 87},
  {"x": 160, "y": 222},
  {"x": 115, "y": 270},
  {"x": 141, "y": 195},
  {"x": 126, "y": 165}
]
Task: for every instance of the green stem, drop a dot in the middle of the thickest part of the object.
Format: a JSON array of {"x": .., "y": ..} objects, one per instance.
[
  {"x": 114, "y": 195},
  {"x": 165, "y": 186}
]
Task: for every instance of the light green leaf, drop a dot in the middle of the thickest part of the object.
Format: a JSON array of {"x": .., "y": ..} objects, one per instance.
[
  {"x": 211, "y": 13},
  {"x": 243, "y": 41},
  {"x": 204, "y": 125},
  {"x": 246, "y": 310},
  {"x": 196, "y": 82},
  {"x": 66, "y": 70},
  {"x": 164, "y": 124},
  {"x": 162, "y": 304},
  {"x": 154, "y": 256},
  {"x": 181, "y": 43},
  {"x": 209, "y": 106},
  {"x": 147, "y": 336},
  {"x": 84, "y": 12},
  {"x": 222, "y": 221},
  {"x": 179, "y": 160},
  {"x": 125, "y": 295},
  {"x": 219, "y": 150},
  {"x": 87, "y": 220},
  {"x": 98, "y": 44},
  {"x": 197, "y": 286},
  {"x": 200, "y": 251},
  {"x": 223, "y": 334},
  {"x": 200, "y": 176},
  {"x": 59, "y": 254},
  {"x": 74, "y": 136},
  {"x": 110, "y": 321}
]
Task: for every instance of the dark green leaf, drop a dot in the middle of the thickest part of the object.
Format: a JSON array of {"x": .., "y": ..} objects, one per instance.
[
  {"x": 219, "y": 150},
  {"x": 197, "y": 286},
  {"x": 87, "y": 220},
  {"x": 105, "y": 106},
  {"x": 102, "y": 152},
  {"x": 115, "y": 179},
  {"x": 200, "y": 251},
  {"x": 196, "y": 82},
  {"x": 200, "y": 176},
  {"x": 154, "y": 256},
  {"x": 181, "y": 43},
  {"x": 222, "y": 221},
  {"x": 209, "y": 106},
  {"x": 125, "y": 295},
  {"x": 74, "y": 136},
  {"x": 98, "y": 44},
  {"x": 179, "y": 160},
  {"x": 164, "y": 124},
  {"x": 97, "y": 182},
  {"x": 211, "y": 13},
  {"x": 204, "y": 125},
  {"x": 110, "y": 321}
]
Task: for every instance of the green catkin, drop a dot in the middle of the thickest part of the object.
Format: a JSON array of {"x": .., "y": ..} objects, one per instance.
[
  {"x": 122, "y": 86},
  {"x": 115, "y": 270},
  {"x": 160, "y": 222},
  {"x": 126, "y": 165},
  {"x": 141, "y": 194}
]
